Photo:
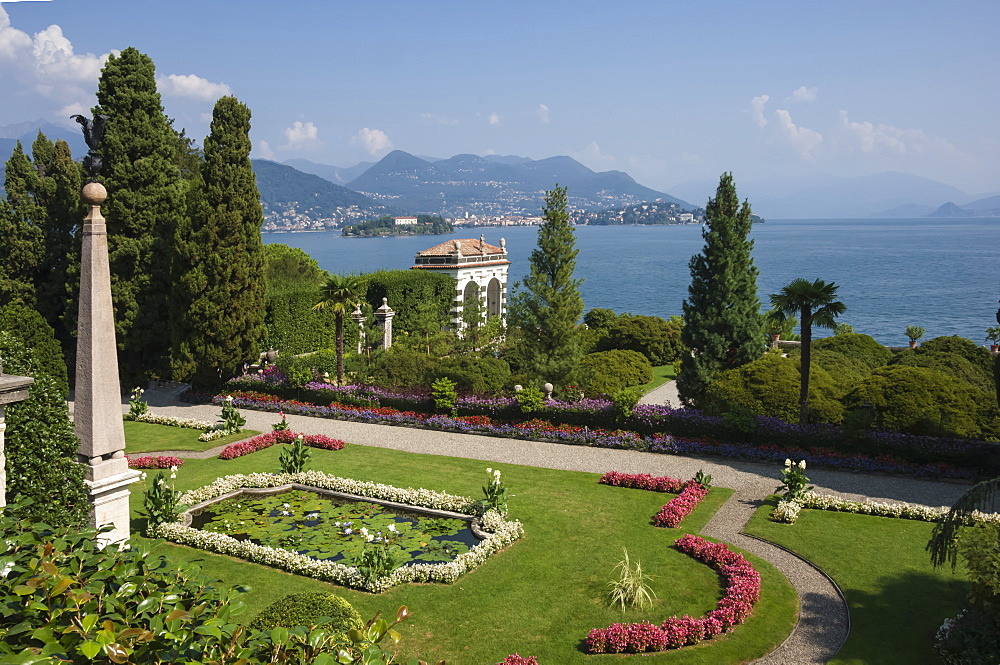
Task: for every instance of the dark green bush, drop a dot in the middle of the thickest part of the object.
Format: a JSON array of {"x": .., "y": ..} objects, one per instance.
[
  {"x": 36, "y": 334},
  {"x": 845, "y": 371},
  {"x": 40, "y": 445},
  {"x": 858, "y": 347},
  {"x": 304, "y": 609},
  {"x": 293, "y": 326},
  {"x": 408, "y": 293},
  {"x": 481, "y": 376},
  {"x": 401, "y": 367},
  {"x": 920, "y": 401},
  {"x": 769, "y": 386},
  {"x": 966, "y": 348},
  {"x": 607, "y": 372},
  {"x": 952, "y": 364},
  {"x": 657, "y": 339}
]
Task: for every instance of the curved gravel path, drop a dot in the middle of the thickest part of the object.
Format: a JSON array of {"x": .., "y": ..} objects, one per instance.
[{"x": 824, "y": 619}]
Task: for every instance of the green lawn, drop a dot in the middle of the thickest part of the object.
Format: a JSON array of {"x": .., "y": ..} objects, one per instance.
[
  {"x": 152, "y": 438},
  {"x": 897, "y": 599},
  {"x": 542, "y": 595},
  {"x": 661, "y": 374}
]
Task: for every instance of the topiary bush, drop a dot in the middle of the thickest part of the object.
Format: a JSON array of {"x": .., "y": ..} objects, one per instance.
[
  {"x": 480, "y": 376},
  {"x": 607, "y": 372},
  {"x": 401, "y": 367},
  {"x": 858, "y": 347},
  {"x": 769, "y": 386},
  {"x": 952, "y": 364},
  {"x": 918, "y": 400},
  {"x": 846, "y": 371},
  {"x": 966, "y": 348},
  {"x": 657, "y": 339},
  {"x": 305, "y": 609}
]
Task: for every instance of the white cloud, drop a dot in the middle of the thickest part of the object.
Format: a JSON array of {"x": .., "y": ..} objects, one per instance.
[
  {"x": 805, "y": 141},
  {"x": 494, "y": 118},
  {"x": 263, "y": 150},
  {"x": 189, "y": 85},
  {"x": 375, "y": 141},
  {"x": 490, "y": 151},
  {"x": 301, "y": 136},
  {"x": 592, "y": 157},
  {"x": 75, "y": 108},
  {"x": 439, "y": 119},
  {"x": 543, "y": 113},
  {"x": 803, "y": 94},
  {"x": 881, "y": 138},
  {"x": 757, "y": 104}
]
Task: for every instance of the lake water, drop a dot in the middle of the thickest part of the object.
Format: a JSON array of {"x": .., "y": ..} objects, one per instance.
[{"x": 942, "y": 275}]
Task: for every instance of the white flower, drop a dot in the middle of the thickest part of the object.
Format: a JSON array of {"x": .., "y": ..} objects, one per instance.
[
  {"x": 173, "y": 472},
  {"x": 802, "y": 464},
  {"x": 364, "y": 532},
  {"x": 496, "y": 475},
  {"x": 788, "y": 462},
  {"x": 142, "y": 476},
  {"x": 489, "y": 470},
  {"x": 285, "y": 506},
  {"x": 392, "y": 527}
]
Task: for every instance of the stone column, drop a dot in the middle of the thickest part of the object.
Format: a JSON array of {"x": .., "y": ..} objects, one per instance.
[
  {"x": 97, "y": 409},
  {"x": 12, "y": 389},
  {"x": 359, "y": 318},
  {"x": 384, "y": 316}
]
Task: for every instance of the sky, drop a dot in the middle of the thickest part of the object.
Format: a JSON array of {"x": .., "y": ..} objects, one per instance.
[{"x": 667, "y": 91}]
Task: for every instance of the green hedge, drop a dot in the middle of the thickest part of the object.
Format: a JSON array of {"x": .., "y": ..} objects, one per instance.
[
  {"x": 607, "y": 372},
  {"x": 305, "y": 609},
  {"x": 414, "y": 295},
  {"x": 859, "y": 347},
  {"x": 294, "y": 327},
  {"x": 657, "y": 339}
]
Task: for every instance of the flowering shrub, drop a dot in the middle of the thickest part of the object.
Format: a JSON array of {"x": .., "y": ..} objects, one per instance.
[
  {"x": 500, "y": 532},
  {"x": 793, "y": 480},
  {"x": 136, "y": 404},
  {"x": 170, "y": 421},
  {"x": 154, "y": 462},
  {"x": 262, "y": 441},
  {"x": 518, "y": 659},
  {"x": 788, "y": 511},
  {"x": 689, "y": 494},
  {"x": 742, "y": 591}
]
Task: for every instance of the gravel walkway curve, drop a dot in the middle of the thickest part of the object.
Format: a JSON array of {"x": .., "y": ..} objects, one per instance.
[{"x": 824, "y": 619}]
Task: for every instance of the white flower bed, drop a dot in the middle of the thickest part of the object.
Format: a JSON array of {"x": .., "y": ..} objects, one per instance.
[
  {"x": 501, "y": 532},
  {"x": 788, "y": 511},
  {"x": 213, "y": 434},
  {"x": 173, "y": 422}
]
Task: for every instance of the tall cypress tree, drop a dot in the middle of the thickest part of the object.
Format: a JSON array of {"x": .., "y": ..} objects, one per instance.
[
  {"x": 223, "y": 285},
  {"x": 722, "y": 321},
  {"x": 144, "y": 208},
  {"x": 21, "y": 236},
  {"x": 549, "y": 307}
]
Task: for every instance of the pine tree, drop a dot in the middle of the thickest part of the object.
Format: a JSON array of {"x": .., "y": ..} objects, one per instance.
[
  {"x": 549, "y": 307},
  {"x": 223, "y": 321},
  {"x": 144, "y": 208},
  {"x": 722, "y": 321},
  {"x": 21, "y": 236}
]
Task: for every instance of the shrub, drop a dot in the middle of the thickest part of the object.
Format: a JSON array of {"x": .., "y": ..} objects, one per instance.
[
  {"x": 443, "y": 392},
  {"x": 966, "y": 348},
  {"x": 657, "y": 339},
  {"x": 625, "y": 401},
  {"x": 401, "y": 367},
  {"x": 607, "y": 372},
  {"x": 846, "y": 371},
  {"x": 305, "y": 609},
  {"x": 28, "y": 326},
  {"x": 953, "y": 364},
  {"x": 293, "y": 326},
  {"x": 857, "y": 346},
  {"x": 769, "y": 386},
  {"x": 971, "y": 638},
  {"x": 919, "y": 401},
  {"x": 41, "y": 445},
  {"x": 406, "y": 291},
  {"x": 479, "y": 376}
]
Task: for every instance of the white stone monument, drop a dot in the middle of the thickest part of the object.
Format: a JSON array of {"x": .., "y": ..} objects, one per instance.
[
  {"x": 479, "y": 270},
  {"x": 383, "y": 318},
  {"x": 97, "y": 410}
]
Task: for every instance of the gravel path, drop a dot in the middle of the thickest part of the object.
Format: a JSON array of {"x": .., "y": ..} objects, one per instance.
[{"x": 824, "y": 620}]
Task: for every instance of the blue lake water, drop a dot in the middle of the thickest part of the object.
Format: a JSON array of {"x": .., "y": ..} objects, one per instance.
[{"x": 943, "y": 275}]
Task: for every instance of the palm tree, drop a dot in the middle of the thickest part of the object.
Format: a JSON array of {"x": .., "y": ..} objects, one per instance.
[
  {"x": 341, "y": 293},
  {"x": 815, "y": 304},
  {"x": 943, "y": 544}
]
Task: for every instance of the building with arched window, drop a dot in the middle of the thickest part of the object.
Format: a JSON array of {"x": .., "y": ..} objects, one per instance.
[{"x": 479, "y": 270}]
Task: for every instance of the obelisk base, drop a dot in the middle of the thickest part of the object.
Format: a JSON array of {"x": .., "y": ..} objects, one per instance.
[{"x": 107, "y": 484}]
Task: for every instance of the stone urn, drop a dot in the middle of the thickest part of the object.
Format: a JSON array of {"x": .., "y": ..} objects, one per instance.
[
  {"x": 271, "y": 356},
  {"x": 913, "y": 343}
]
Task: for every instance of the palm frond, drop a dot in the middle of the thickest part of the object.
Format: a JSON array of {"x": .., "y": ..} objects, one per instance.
[{"x": 942, "y": 545}]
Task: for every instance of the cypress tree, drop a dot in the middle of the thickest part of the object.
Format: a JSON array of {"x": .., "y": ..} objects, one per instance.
[
  {"x": 223, "y": 322},
  {"x": 21, "y": 237},
  {"x": 144, "y": 208},
  {"x": 722, "y": 321},
  {"x": 549, "y": 307}
]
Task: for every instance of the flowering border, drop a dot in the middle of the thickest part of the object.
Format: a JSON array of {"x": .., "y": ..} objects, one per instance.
[
  {"x": 154, "y": 462},
  {"x": 787, "y": 511},
  {"x": 268, "y": 439},
  {"x": 500, "y": 531},
  {"x": 742, "y": 591},
  {"x": 170, "y": 421},
  {"x": 689, "y": 494}
]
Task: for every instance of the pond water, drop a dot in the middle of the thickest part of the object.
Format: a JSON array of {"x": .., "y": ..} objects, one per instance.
[{"x": 334, "y": 529}]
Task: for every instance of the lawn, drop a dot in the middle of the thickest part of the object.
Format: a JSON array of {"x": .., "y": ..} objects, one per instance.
[
  {"x": 153, "y": 438},
  {"x": 661, "y": 374},
  {"x": 543, "y": 594},
  {"x": 897, "y": 599}
]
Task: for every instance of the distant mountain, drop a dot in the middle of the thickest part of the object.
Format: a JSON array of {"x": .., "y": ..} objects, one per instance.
[
  {"x": 335, "y": 174},
  {"x": 907, "y": 211},
  {"x": 495, "y": 185},
  {"x": 293, "y": 199},
  {"x": 951, "y": 210},
  {"x": 25, "y": 132},
  {"x": 987, "y": 207}
]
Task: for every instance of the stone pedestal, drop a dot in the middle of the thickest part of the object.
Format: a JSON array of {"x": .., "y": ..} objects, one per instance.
[
  {"x": 97, "y": 409},
  {"x": 12, "y": 389},
  {"x": 383, "y": 316}
]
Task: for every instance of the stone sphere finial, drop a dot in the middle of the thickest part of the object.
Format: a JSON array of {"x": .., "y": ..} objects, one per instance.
[{"x": 94, "y": 193}]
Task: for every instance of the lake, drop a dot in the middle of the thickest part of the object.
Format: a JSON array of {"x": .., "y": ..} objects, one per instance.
[{"x": 940, "y": 274}]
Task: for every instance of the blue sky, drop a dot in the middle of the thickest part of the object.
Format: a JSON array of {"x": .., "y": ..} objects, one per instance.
[{"x": 667, "y": 91}]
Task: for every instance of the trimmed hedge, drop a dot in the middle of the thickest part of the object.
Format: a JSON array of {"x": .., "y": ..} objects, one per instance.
[
  {"x": 406, "y": 291},
  {"x": 657, "y": 339},
  {"x": 607, "y": 372},
  {"x": 305, "y": 609},
  {"x": 857, "y": 346},
  {"x": 293, "y": 326}
]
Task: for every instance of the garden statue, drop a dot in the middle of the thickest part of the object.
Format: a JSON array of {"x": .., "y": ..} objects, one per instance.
[{"x": 93, "y": 132}]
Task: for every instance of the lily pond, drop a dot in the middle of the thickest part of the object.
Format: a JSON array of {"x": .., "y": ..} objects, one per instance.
[{"x": 335, "y": 529}]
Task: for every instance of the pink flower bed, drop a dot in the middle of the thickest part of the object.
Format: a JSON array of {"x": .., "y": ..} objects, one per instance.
[
  {"x": 518, "y": 659},
  {"x": 154, "y": 462},
  {"x": 689, "y": 493},
  {"x": 742, "y": 591},
  {"x": 262, "y": 441}
]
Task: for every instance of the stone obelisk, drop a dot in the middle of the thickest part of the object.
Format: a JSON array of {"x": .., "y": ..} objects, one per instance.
[{"x": 97, "y": 409}]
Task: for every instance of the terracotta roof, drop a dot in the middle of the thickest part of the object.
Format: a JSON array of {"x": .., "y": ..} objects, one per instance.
[{"x": 469, "y": 246}]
